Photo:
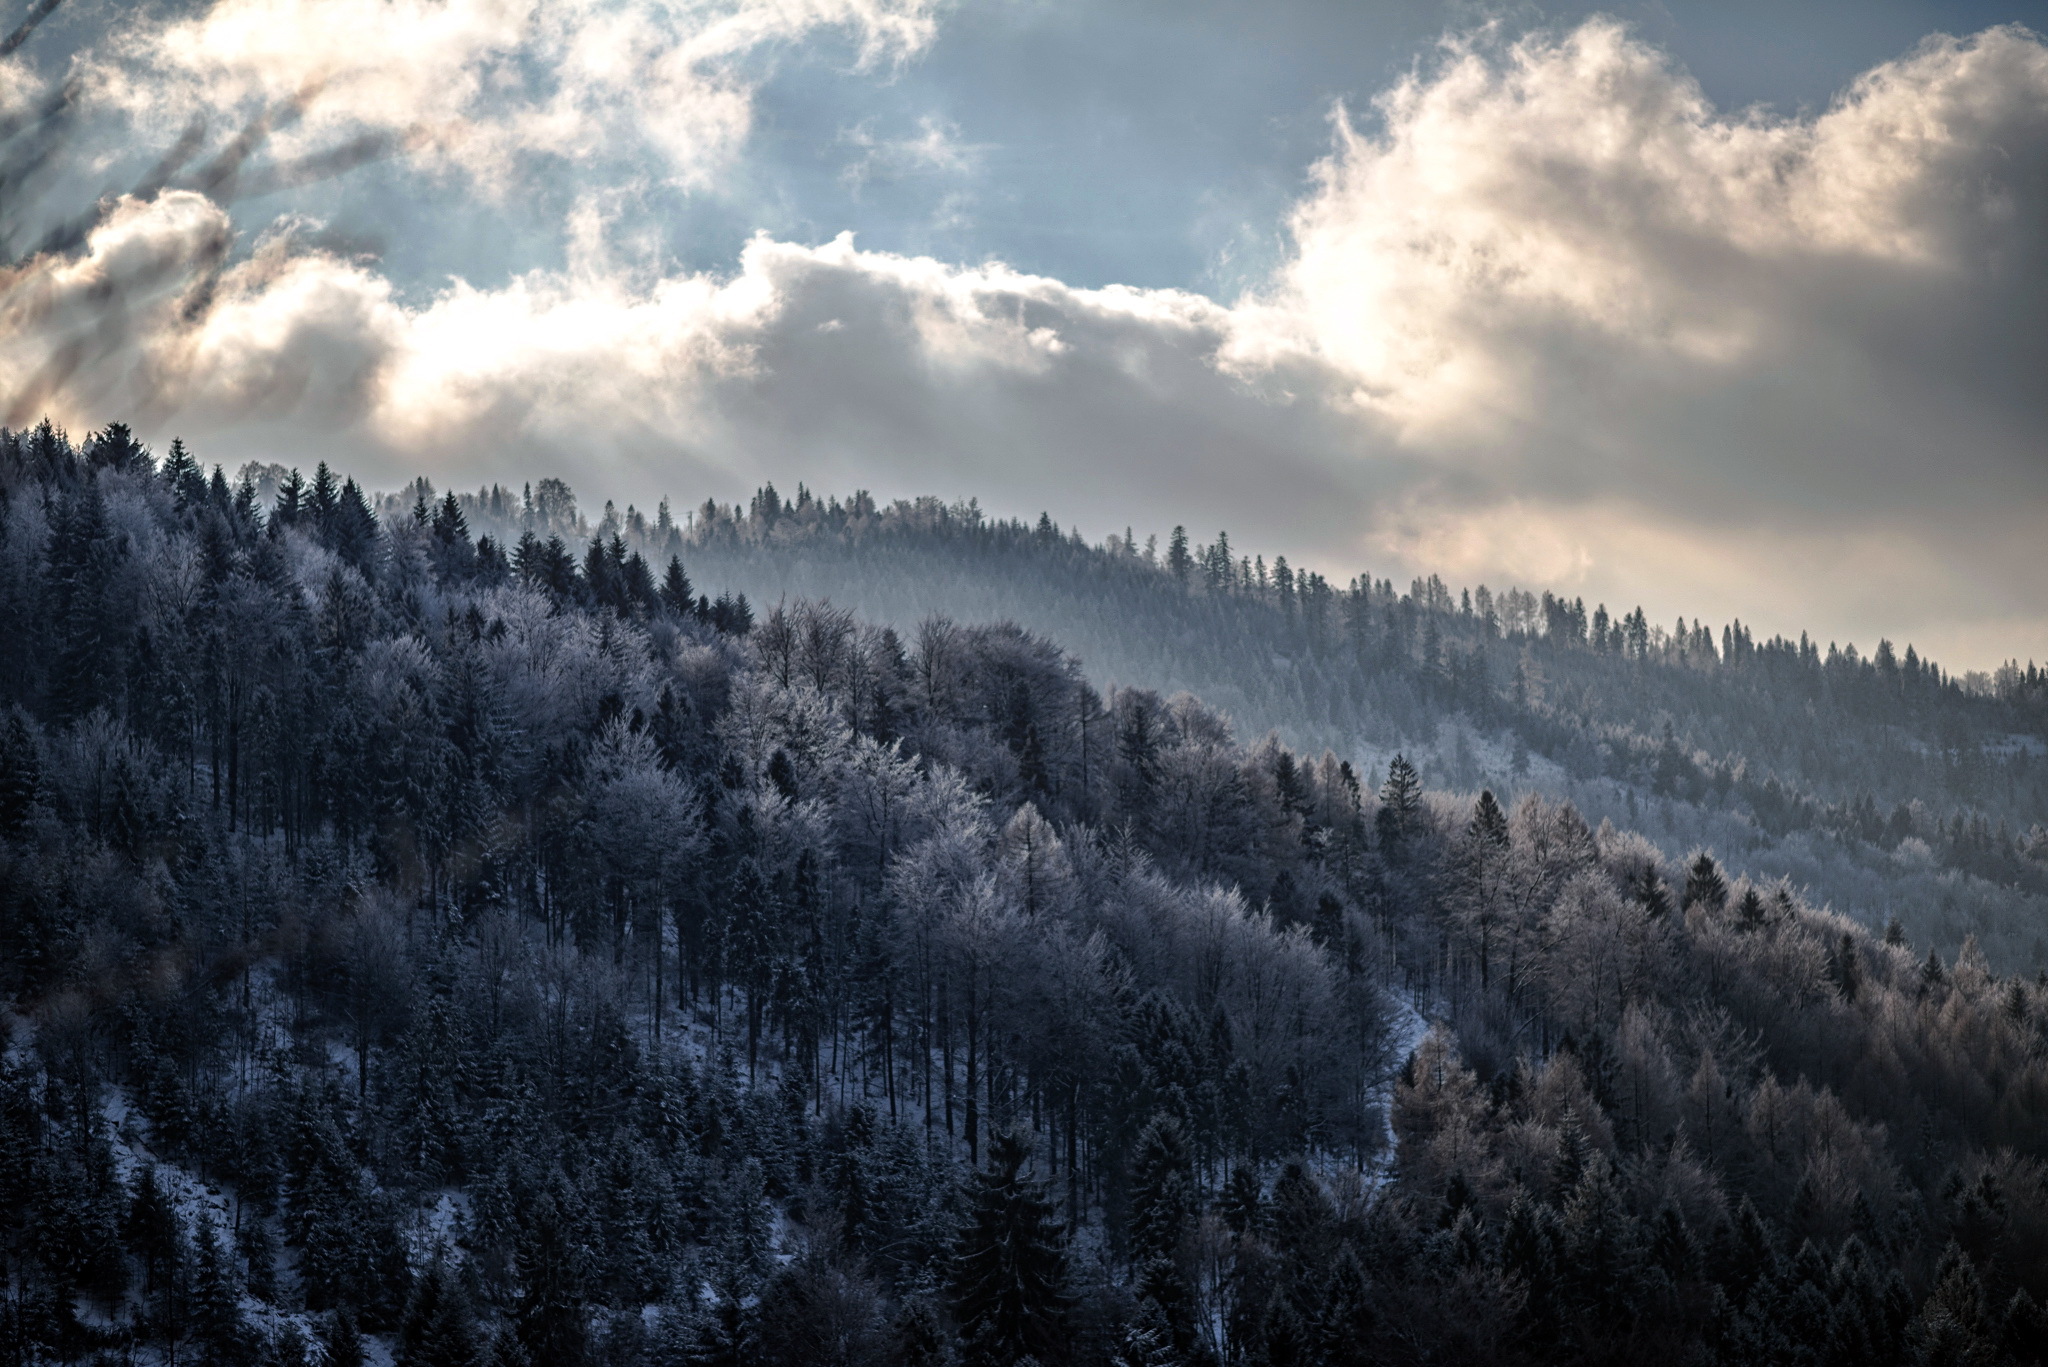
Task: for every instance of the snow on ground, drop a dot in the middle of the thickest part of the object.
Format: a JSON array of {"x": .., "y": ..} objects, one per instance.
[
  {"x": 1409, "y": 1026},
  {"x": 201, "y": 1207}
]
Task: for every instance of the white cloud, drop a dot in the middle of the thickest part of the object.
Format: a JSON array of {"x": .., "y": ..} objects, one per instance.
[
  {"x": 1555, "y": 319},
  {"x": 937, "y": 149},
  {"x": 1572, "y": 200},
  {"x": 1631, "y": 334},
  {"x": 483, "y": 86}
]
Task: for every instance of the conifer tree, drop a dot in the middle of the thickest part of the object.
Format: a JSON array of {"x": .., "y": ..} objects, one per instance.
[
  {"x": 438, "y": 1329},
  {"x": 292, "y": 498},
  {"x": 152, "y": 1232},
  {"x": 83, "y": 560},
  {"x": 343, "y": 1342},
  {"x": 551, "y": 1272},
  {"x": 21, "y": 776},
  {"x": 1489, "y": 826},
  {"x": 1704, "y": 885},
  {"x": 1178, "y": 561},
  {"x": 352, "y": 531},
  {"x": 217, "y": 1300},
  {"x": 1163, "y": 1207},
  {"x": 1243, "y": 1203},
  {"x": 1400, "y": 814},
  {"x": 1009, "y": 1277},
  {"x": 676, "y": 592}
]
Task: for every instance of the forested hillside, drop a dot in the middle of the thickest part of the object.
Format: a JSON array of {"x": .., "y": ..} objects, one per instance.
[
  {"x": 1873, "y": 780},
  {"x": 526, "y": 949}
]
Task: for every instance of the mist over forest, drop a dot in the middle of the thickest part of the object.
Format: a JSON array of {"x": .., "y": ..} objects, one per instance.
[
  {"x": 1874, "y": 781},
  {"x": 445, "y": 929}
]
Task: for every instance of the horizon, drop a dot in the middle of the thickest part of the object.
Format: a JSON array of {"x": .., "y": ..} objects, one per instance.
[
  {"x": 1645, "y": 302},
  {"x": 392, "y": 502}
]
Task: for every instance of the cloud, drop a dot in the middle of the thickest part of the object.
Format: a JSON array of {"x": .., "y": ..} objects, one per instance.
[
  {"x": 1550, "y": 318},
  {"x": 485, "y": 87},
  {"x": 937, "y": 149},
  {"x": 1537, "y": 225},
  {"x": 1631, "y": 333},
  {"x": 881, "y": 366}
]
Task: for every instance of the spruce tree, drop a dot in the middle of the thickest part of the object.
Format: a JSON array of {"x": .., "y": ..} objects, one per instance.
[
  {"x": 352, "y": 533},
  {"x": 1489, "y": 828},
  {"x": 343, "y": 1341},
  {"x": 676, "y": 593},
  {"x": 1009, "y": 1266},
  {"x": 438, "y": 1329},
  {"x": 1178, "y": 561},
  {"x": 258, "y": 1247},
  {"x": 292, "y": 494},
  {"x": 1243, "y": 1203},
  {"x": 83, "y": 561},
  {"x": 1400, "y": 814},
  {"x": 550, "y": 1265},
  {"x": 1346, "y": 1321},
  {"x": 152, "y": 1232},
  {"x": 217, "y": 1300},
  {"x": 1162, "y": 1214},
  {"x": 1704, "y": 885},
  {"x": 21, "y": 776},
  {"x": 181, "y": 475}
]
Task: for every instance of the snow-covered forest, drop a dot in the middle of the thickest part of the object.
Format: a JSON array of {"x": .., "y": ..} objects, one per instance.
[
  {"x": 1875, "y": 782},
  {"x": 439, "y": 931}
]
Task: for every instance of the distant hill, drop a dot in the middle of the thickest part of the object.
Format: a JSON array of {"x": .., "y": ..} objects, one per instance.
[{"x": 1876, "y": 781}]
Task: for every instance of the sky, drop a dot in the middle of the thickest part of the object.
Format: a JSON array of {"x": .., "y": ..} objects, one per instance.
[{"x": 1728, "y": 310}]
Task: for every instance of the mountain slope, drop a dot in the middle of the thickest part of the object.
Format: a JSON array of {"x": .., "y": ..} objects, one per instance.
[{"x": 1877, "y": 783}]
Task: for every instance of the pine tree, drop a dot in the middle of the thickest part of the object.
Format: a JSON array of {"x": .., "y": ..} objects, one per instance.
[
  {"x": 438, "y": 1329},
  {"x": 1009, "y": 1278},
  {"x": 290, "y": 1348},
  {"x": 258, "y": 1247},
  {"x": 1163, "y": 1207},
  {"x": 1345, "y": 1325},
  {"x": 1178, "y": 562},
  {"x": 152, "y": 1231},
  {"x": 217, "y": 1301},
  {"x": 115, "y": 448},
  {"x": 343, "y": 1342},
  {"x": 921, "y": 1339},
  {"x": 1529, "y": 1251},
  {"x": 1162, "y": 1201},
  {"x": 1285, "y": 1340},
  {"x": 676, "y": 592},
  {"x": 1704, "y": 885},
  {"x": 292, "y": 498},
  {"x": 181, "y": 475},
  {"x": 454, "y": 555},
  {"x": 507, "y": 1351},
  {"x": 1846, "y": 966},
  {"x": 21, "y": 776},
  {"x": 551, "y": 1274},
  {"x": 323, "y": 501},
  {"x": 1243, "y": 1203},
  {"x": 1489, "y": 827},
  {"x": 1954, "y": 1326},
  {"x": 352, "y": 531},
  {"x": 1400, "y": 814},
  {"x": 83, "y": 561}
]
